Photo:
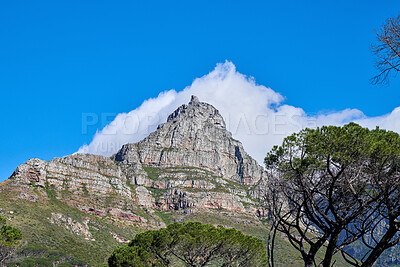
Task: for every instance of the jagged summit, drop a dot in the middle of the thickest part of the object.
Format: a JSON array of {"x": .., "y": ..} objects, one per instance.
[
  {"x": 197, "y": 113},
  {"x": 195, "y": 135},
  {"x": 194, "y": 99}
]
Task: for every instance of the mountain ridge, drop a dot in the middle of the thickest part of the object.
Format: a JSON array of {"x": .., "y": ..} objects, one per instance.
[{"x": 190, "y": 168}]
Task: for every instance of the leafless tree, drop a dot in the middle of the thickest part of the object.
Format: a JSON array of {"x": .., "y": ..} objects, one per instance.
[
  {"x": 387, "y": 50},
  {"x": 320, "y": 212},
  {"x": 384, "y": 231}
]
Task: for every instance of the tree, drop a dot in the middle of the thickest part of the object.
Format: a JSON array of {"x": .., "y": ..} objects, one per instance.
[
  {"x": 387, "y": 50},
  {"x": 332, "y": 186},
  {"x": 193, "y": 244},
  {"x": 384, "y": 168},
  {"x": 10, "y": 240}
]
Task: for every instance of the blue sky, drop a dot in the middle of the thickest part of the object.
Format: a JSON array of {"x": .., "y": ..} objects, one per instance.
[{"x": 62, "y": 59}]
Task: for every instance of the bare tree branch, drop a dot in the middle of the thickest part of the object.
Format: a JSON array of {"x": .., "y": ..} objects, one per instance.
[{"x": 387, "y": 51}]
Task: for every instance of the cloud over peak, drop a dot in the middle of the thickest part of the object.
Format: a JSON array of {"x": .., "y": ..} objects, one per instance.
[{"x": 255, "y": 114}]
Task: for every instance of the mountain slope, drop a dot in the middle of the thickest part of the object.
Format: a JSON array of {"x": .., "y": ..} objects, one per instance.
[{"x": 76, "y": 209}]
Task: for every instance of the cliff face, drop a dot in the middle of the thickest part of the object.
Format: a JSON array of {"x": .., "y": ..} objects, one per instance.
[
  {"x": 195, "y": 135},
  {"x": 190, "y": 165},
  {"x": 98, "y": 174}
]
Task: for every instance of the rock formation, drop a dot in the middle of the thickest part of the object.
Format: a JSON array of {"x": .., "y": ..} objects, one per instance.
[
  {"x": 195, "y": 135},
  {"x": 189, "y": 165},
  {"x": 192, "y": 151}
]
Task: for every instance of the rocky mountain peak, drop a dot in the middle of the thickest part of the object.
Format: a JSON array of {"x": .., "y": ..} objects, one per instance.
[
  {"x": 197, "y": 113},
  {"x": 195, "y": 135},
  {"x": 194, "y": 99}
]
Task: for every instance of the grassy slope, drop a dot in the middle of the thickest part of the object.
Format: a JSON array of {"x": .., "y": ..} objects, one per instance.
[{"x": 43, "y": 237}]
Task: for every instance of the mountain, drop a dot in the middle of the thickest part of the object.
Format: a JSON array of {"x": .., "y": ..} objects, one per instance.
[
  {"x": 192, "y": 150},
  {"x": 77, "y": 209}
]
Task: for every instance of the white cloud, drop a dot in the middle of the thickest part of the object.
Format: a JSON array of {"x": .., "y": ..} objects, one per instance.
[
  {"x": 254, "y": 114},
  {"x": 389, "y": 121}
]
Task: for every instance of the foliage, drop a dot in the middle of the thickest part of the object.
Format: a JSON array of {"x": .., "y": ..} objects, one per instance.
[
  {"x": 336, "y": 185},
  {"x": 193, "y": 244},
  {"x": 10, "y": 240}
]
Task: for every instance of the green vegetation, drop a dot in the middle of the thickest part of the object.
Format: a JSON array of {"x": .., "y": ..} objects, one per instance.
[
  {"x": 10, "y": 240},
  {"x": 84, "y": 190},
  {"x": 286, "y": 255},
  {"x": 48, "y": 258},
  {"x": 157, "y": 193},
  {"x": 193, "y": 173},
  {"x": 152, "y": 172},
  {"x": 53, "y": 241},
  {"x": 166, "y": 216},
  {"x": 343, "y": 181},
  {"x": 192, "y": 244}
]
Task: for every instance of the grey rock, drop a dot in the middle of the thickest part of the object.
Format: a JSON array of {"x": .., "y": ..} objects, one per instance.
[
  {"x": 144, "y": 197},
  {"x": 195, "y": 135},
  {"x": 78, "y": 228},
  {"x": 190, "y": 163}
]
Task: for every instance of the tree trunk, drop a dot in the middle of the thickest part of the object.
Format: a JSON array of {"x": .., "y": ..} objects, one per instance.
[
  {"x": 331, "y": 248},
  {"x": 308, "y": 263},
  {"x": 381, "y": 246}
]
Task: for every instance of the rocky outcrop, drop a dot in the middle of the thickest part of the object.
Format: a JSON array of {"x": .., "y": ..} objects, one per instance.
[
  {"x": 80, "y": 173},
  {"x": 144, "y": 197},
  {"x": 72, "y": 225},
  {"x": 177, "y": 199},
  {"x": 190, "y": 163}
]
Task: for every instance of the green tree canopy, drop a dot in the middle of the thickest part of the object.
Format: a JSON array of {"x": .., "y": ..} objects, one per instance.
[
  {"x": 10, "y": 240},
  {"x": 193, "y": 244},
  {"x": 332, "y": 186}
]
